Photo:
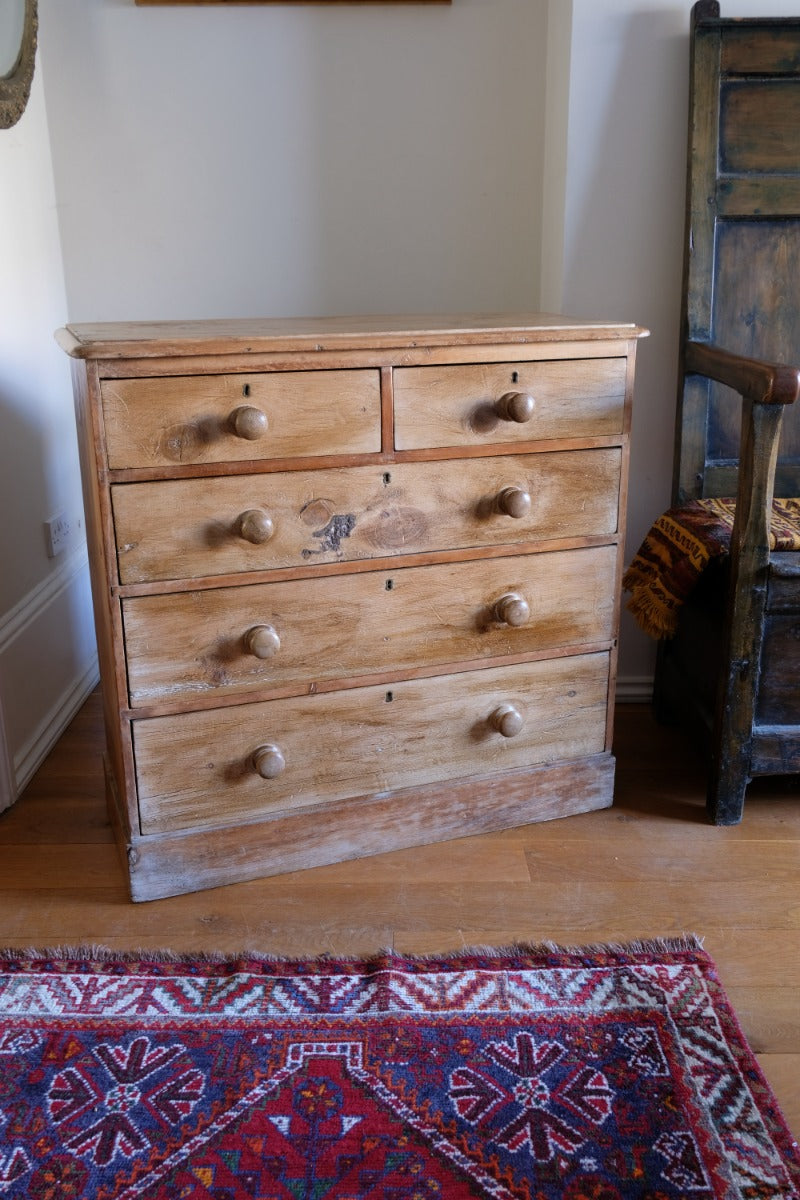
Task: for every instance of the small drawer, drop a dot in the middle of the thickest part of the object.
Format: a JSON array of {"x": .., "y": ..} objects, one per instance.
[
  {"x": 473, "y": 405},
  {"x": 243, "y": 763},
  {"x": 233, "y": 418},
  {"x": 190, "y": 528},
  {"x": 295, "y": 634}
]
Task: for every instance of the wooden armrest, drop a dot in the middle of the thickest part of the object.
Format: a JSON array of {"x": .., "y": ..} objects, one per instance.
[{"x": 761, "y": 382}]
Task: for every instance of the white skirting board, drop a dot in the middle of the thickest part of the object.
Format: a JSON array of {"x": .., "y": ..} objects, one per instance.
[
  {"x": 32, "y": 754},
  {"x": 634, "y": 689},
  {"x": 48, "y": 666}
]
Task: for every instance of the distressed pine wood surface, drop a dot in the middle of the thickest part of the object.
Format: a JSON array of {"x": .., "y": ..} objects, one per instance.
[
  {"x": 110, "y": 340},
  {"x": 183, "y": 507},
  {"x": 196, "y": 770},
  {"x": 650, "y": 866},
  {"x": 195, "y": 645},
  {"x": 447, "y": 406},
  {"x": 192, "y": 419},
  {"x": 184, "y": 528}
]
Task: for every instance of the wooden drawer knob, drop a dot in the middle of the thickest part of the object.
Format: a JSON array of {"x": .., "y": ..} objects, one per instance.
[
  {"x": 269, "y": 761},
  {"x": 262, "y": 641},
  {"x": 512, "y": 609},
  {"x": 514, "y": 502},
  {"x": 249, "y": 422},
  {"x": 256, "y": 526},
  {"x": 515, "y": 406},
  {"x": 507, "y": 720}
]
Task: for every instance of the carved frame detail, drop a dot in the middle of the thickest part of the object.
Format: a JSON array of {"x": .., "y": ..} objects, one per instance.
[{"x": 15, "y": 87}]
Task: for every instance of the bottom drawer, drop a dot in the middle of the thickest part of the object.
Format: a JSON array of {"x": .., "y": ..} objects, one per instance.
[{"x": 198, "y": 770}]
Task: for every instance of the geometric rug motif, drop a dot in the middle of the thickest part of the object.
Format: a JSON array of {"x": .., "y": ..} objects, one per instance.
[{"x": 538, "y": 1073}]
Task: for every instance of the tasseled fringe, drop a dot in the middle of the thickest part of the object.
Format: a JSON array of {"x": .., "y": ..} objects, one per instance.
[
  {"x": 680, "y": 944},
  {"x": 652, "y": 616}
]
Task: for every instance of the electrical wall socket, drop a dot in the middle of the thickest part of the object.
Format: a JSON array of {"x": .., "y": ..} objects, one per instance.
[{"x": 57, "y": 534}]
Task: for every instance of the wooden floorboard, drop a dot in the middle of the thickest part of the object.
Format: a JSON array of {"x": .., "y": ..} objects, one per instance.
[{"x": 651, "y": 866}]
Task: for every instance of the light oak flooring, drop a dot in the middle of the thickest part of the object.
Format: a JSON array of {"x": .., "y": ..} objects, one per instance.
[{"x": 650, "y": 866}]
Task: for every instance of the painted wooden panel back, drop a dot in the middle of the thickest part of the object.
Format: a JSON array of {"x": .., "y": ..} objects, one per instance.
[{"x": 742, "y": 254}]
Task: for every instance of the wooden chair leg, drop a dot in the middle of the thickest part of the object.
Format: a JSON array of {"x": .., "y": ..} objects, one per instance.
[
  {"x": 732, "y": 734},
  {"x": 725, "y": 795},
  {"x": 736, "y": 709}
]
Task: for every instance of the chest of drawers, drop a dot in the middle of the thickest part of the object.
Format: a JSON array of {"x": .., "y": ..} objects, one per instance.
[{"x": 355, "y": 581}]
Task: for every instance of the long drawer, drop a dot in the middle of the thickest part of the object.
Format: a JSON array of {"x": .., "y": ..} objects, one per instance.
[
  {"x": 243, "y": 763},
  {"x": 229, "y": 418},
  {"x": 229, "y": 640},
  {"x": 467, "y": 405},
  {"x": 188, "y": 528}
]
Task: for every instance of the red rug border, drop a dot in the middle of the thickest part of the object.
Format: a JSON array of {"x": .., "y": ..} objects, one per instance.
[{"x": 686, "y": 948}]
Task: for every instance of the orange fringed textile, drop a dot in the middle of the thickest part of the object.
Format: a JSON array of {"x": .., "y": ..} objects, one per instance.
[{"x": 680, "y": 545}]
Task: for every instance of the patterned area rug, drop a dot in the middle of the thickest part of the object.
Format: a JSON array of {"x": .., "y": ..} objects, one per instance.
[{"x": 534, "y": 1074}]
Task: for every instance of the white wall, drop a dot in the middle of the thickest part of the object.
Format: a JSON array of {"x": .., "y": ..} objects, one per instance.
[
  {"x": 296, "y": 159},
  {"x": 47, "y": 654}
]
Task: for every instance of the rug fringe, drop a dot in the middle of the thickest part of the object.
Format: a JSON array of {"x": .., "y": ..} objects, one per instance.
[
  {"x": 682, "y": 943},
  {"x": 663, "y": 945}
]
